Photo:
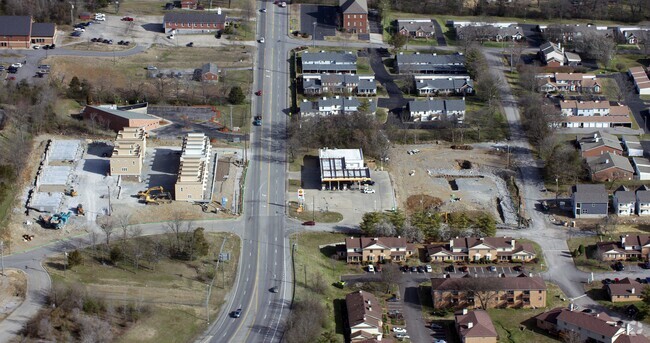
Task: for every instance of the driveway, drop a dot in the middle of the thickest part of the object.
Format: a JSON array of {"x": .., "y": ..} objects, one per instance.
[
  {"x": 396, "y": 100},
  {"x": 440, "y": 37},
  {"x": 325, "y": 18}
]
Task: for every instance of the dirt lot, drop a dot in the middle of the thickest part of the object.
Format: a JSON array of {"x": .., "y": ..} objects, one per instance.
[
  {"x": 468, "y": 171},
  {"x": 12, "y": 291}
]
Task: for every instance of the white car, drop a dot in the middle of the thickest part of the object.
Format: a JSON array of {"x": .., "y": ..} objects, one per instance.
[
  {"x": 263, "y": 10},
  {"x": 428, "y": 268},
  {"x": 79, "y": 29},
  {"x": 371, "y": 268},
  {"x": 261, "y": 40},
  {"x": 36, "y": 47},
  {"x": 439, "y": 341},
  {"x": 402, "y": 336},
  {"x": 399, "y": 330},
  {"x": 368, "y": 191},
  {"x": 17, "y": 65}
]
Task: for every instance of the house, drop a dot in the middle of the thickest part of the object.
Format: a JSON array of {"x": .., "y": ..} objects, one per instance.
[
  {"x": 552, "y": 54},
  {"x": 611, "y": 251},
  {"x": 632, "y": 34},
  {"x": 193, "y": 22},
  {"x": 354, "y": 15},
  {"x": 317, "y": 84},
  {"x": 188, "y": 4},
  {"x": 475, "y": 327},
  {"x": 377, "y": 249},
  {"x": 523, "y": 291},
  {"x": 328, "y": 62},
  {"x": 625, "y": 290},
  {"x": 632, "y": 145},
  {"x": 128, "y": 153},
  {"x": 416, "y": 28},
  {"x": 436, "y": 109},
  {"x": 364, "y": 316},
  {"x": 629, "y": 246},
  {"x": 447, "y": 86},
  {"x": 192, "y": 183},
  {"x": 571, "y": 82},
  {"x": 598, "y": 143},
  {"x": 481, "y": 248},
  {"x": 641, "y": 168},
  {"x": 210, "y": 72},
  {"x": 592, "y": 327},
  {"x": 640, "y": 79},
  {"x": 20, "y": 32},
  {"x": 643, "y": 201},
  {"x": 589, "y": 201},
  {"x": 593, "y": 114},
  {"x": 119, "y": 117},
  {"x": 341, "y": 166},
  {"x": 490, "y": 32},
  {"x": 335, "y": 105},
  {"x": 624, "y": 202},
  {"x": 430, "y": 64},
  {"x": 610, "y": 167},
  {"x": 572, "y": 32}
]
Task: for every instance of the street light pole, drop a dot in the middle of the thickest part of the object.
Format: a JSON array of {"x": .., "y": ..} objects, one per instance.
[
  {"x": 557, "y": 189},
  {"x": 313, "y": 36},
  {"x": 71, "y": 14},
  {"x": 230, "y": 117},
  {"x": 2, "y": 256}
]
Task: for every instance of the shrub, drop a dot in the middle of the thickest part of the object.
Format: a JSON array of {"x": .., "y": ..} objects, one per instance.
[
  {"x": 581, "y": 249},
  {"x": 116, "y": 254},
  {"x": 74, "y": 258},
  {"x": 236, "y": 95}
]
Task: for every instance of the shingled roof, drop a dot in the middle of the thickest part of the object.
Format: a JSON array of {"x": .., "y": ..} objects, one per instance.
[
  {"x": 363, "y": 307},
  {"x": 520, "y": 282},
  {"x": 354, "y": 6},
  {"x": 15, "y": 25},
  {"x": 475, "y": 323}
]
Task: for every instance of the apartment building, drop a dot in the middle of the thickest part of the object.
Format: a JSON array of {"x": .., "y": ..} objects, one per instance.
[
  {"x": 418, "y": 63},
  {"x": 317, "y": 84},
  {"x": 192, "y": 22},
  {"x": 523, "y": 291},
  {"x": 481, "y": 248},
  {"x": 598, "y": 143},
  {"x": 336, "y": 105},
  {"x": 436, "y": 109},
  {"x": 193, "y": 174},
  {"x": 593, "y": 114},
  {"x": 643, "y": 200},
  {"x": 328, "y": 62},
  {"x": 354, "y": 14},
  {"x": 128, "y": 153},
  {"x": 624, "y": 202},
  {"x": 416, "y": 28},
  {"x": 376, "y": 249},
  {"x": 569, "y": 82},
  {"x": 364, "y": 314},
  {"x": 454, "y": 86},
  {"x": 625, "y": 290}
]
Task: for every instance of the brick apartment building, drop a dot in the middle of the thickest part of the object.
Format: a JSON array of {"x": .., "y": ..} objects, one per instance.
[
  {"x": 193, "y": 22},
  {"x": 20, "y": 32},
  {"x": 481, "y": 248},
  {"x": 625, "y": 290},
  {"x": 475, "y": 327},
  {"x": 354, "y": 15},
  {"x": 376, "y": 250},
  {"x": 119, "y": 117}
]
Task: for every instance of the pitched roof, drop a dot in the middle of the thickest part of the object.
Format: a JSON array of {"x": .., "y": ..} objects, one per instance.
[
  {"x": 572, "y": 56},
  {"x": 632, "y": 339},
  {"x": 13, "y": 25},
  {"x": 609, "y": 160},
  {"x": 363, "y": 307},
  {"x": 584, "y": 105},
  {"x": 470, "y": 242},
  {"x": 625, "y": 196},
  {"x": 521, "y": 282},
  {"x": 436, "y": 105},
  {"x": 333, "y": 57},
  {"x": 364, "y": 242},
  {"x": 643, "y": 196},
  {"x": 590, "y": 193},
  {"x": 597, "y": 323},
  {"x": 416, "y": 25},
  {"x": 598, "y": 139},
  {"x": 430, "y": 59},
  {"x": 609, "y": 246},
  {"x": 194, "y": 17},
  {"x": 210, "y": 68},
  {"x": 638, "y": 240},
  {"x": 481, "y": 324},
  {"x": 43, "y": 29},
  {"x": 625, "y": 287},
  {"x": 550, "y": 316},
  {"x": 450, "y": 83},
  {"x": 354, "y": 6},
  {"x": 121, "y": 113}
]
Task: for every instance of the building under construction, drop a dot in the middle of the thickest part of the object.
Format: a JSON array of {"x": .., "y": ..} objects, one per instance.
[
  {"x": 193, "y": 173},
  {"x": 128, "y": 153},
  {"x": 342, "y": 166}
]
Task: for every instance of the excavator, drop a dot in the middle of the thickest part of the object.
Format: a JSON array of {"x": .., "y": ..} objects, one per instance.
[
  {"x": 56, "y": 221},
  {"x": 157, "y": 199},
  {"x": 146, "y": 193}
]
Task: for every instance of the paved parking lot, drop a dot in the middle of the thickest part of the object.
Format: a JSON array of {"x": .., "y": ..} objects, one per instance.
[{"x": 324, "y": 16}]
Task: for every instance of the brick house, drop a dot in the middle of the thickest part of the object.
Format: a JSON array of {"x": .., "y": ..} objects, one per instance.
[
  {"x": 416, "y": 28},
  {"x": 629, "y": 246},
  {"x": 521, "y": 291},
  {"x": 118, "y": 117},
  {"x": 193, "y": 22},
  {"x": 376, "y": 250},
  {"x": 364, "y": 314},
  {"x": 43, "y": 33},
  {"x": 189, "y": 4},
  {"x": 483, "y": 248},
  {"x": 598, "y": 143},
  {"x": 625, "y": 290},
  {"x": 210, "y": 72},
  {"x": 475, "y": 327},
  {"x": 610, "y": 167},
  {"x": 354, "y": 14}
]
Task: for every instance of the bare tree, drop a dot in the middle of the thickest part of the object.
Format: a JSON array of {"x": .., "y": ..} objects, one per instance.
[
  {"x": 570, "y": 336},
  {"x": 94, "y": 238},
  {"x": 481, "y": 291},
  {"x": 390, "y": 274},
  {"x": 123, "y": 220},
  {"x": 107, "y": 225},
  {"x": 385, "y": 228},
  {"x": 412, "y": 233}
]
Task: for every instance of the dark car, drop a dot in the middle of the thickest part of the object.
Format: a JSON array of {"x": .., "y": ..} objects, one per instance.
[
  {"x": 76, "y": 34},
  {"x": 93, "y": 40},
  {"x": 2, "y": 68},
  {"x": 518, "y": 268},
  {"x": 120, "y": 42},
  {"x": 126, "y": 42},
  {"x": 12, "y": 70},
  {"x": 309, "y": 223},
  {"x": 645, "y": 265},
  {"x": 52, "y": 46},
  {"x": 414, "y": 269},
  {"x": 450, "y": 268},
  {"x": 463, "y": 269},
  {"x": 275, "y": 289},
  {"x": 405, "y": 268},
  {"x": 237, "y": 313},
  {"x": 420, "y": 269},
  {"x": 619, "y": 266},
  {"x": 607, "y": 281},
  {"x": 368, "y": 182},
  {"x": 190, "y": 44}
]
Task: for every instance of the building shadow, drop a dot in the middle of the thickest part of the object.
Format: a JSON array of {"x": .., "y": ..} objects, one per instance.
[
  {"x": 153, "y": 27},
  {"x": 97, "y": 166},
  {"x": 166, "y": 161}
]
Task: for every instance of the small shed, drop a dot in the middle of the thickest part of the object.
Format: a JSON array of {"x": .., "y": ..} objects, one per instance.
[
  {"x": 632, "y": 145},
  {"x": 210, "y": 72}
]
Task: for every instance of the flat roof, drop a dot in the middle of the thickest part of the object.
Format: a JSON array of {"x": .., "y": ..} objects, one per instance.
[
  {"x": 54, "y": 175},
  {"x": 350, "y": 154},
  {"x": 123, "y": 114}
]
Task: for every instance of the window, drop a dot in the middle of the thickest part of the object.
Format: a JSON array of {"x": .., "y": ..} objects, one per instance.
[
  {"x": 382, "y": 251},
  {"x": 181, "y": 189},
  {"x": 189, "y": 196},
  {"x": 125, "y": 169},
  {"x": 355, "y": 16}
]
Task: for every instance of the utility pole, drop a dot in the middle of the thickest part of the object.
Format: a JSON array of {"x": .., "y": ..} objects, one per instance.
[
  {"x": 109, "y": 199},
  {"x": 65, "y": 261},
  {"x": 2, "y": 256},
  {"x": 313, "y": 35},
  {"x": 71, "y": 14},
  {"x": 230, "y": 117},
  {"x": 557, "y": 189}
]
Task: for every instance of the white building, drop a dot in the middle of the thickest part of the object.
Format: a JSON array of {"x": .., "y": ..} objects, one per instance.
[
  {"x": 641, "y": 168},
  {"x": 624, "y": 202},
  {"x": 643, "y": 201},
  {"x": 632, "y": 145},
  {"x": 342, "y": 165}
]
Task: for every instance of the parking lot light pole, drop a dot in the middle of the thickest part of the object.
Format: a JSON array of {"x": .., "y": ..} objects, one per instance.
[
  {"x": 557, "y": 189},
  {"x": 71, "y": 14},
  {"x": 313, "y": 36}
]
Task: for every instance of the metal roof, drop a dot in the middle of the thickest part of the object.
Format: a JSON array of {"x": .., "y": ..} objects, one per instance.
[
  {"x": 123, "y": 114},
  {"x": 15, "y": 25}
]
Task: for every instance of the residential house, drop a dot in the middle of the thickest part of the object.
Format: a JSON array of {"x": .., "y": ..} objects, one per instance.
[
  {"x": 481, "y": 248},
  {"x": 20, "y": 32},
  {"x": 475, "y": 327},
  {"x": 640, "y": 79},
  {"x": 632, "y": 34},
  {"x": 632, "y": 145},
  {"x": 523, "y": 291},
  {"x": 377, "y": 249},
  {"x": 611, "y": 251},
  {"x": 463, "y": 23},
  {"x": 643, "y": 201},
  {"x": 589, "y": 201},
  {"x": 641, "y": 168},
  {"x": 624, "y": 202},
  {"x": 193, "y": 182},
  {"x": 571, "y": 32},
  {"x": 572, "y": 59},
  {"x": 210, "y": 72},
  {"x": 127, "y": 158},
  {"x": 491, "y": 32},
  {"x": 418, "y": 63},
  {"x": 192, "y": 22},
  {"x": 119, "y": 117},
  {"x": 447, "y": 86},
  {"x": 364, "y": 316},
  {"x": 576, "y": 82},
  {"x": 339, "y": 166},
  {"x": 629, "y": 246},
  {"x": 598, "y": 143},
  {"x": 416, "y": 28},
  {"x": 354, "y": 16},
  {"x": 328, "y": 62},
  {"x": 610, "y": 167},
  {"x": 335, "y": 105},
  {"x": 552, "y": 54},
  {"x": 591, "y": 327},
  {"x": 625, "y": 290},
  {"x": 593, "y": 114},
  {"x": 317, "y": 84},
  {"x": 436, "y": 109}
]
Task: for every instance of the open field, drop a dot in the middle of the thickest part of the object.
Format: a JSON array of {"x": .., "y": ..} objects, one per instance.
[
  {"x": 13, "y": 285},
  {"x": 93, "y": 46},
  {"x": 174, "y": 290}
]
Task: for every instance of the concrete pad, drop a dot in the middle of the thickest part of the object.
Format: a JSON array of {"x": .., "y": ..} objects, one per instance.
[
  {"x": 46, "y": 202},
  {"x": 54, "y": 175},
  {"x": 64, "y": 150}
]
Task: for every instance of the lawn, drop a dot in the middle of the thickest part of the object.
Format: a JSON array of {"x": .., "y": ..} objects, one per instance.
[
  {"x": 597, "y": 292},
  {"x": 294, "y": 185},
  {"x": 588, "y": 262},
  {"x": 174, "y": 290},
  {"x": 363, "y": 66},
  {"x": 627, "y": 61},
  {"x": 317, "y": 216},
  {"x": 241, "y": 117},
  {"x": 296, "y": 163}
]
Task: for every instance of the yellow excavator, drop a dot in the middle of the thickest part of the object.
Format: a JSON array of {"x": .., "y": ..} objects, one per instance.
[
  {"x": 146, "y": 193},
  {"x": 158, "y": 198}
]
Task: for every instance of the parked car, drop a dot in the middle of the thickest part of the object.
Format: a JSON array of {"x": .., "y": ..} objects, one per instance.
[
  {"x": 368, "y": 191},
  {"x": 76, "y": 34},
  {"x": 435, "y": 326},
  {"x": 16, "y": 65},
  {"x": 414, "y": 269},
  {"x": 492, "y": 268},
  {"x": 263, "y": 10},
  {"x": 399, "y": 330},
  {"x": 52, "y": 46},
  {"x": 151, "y": 68},
  {"x": 368, "y": 182},
  {"x": 378, "y": 268},
  {"x": 79, "y": 29},
  {"x": 2, "y": 68},
  {"x": 371, "y": 268},
  {"x": 190, "y": 44},
  {"x": 428, "y": 268},
  {"x": 607, "y": 281},
  {"x": 258, "y": 93},
  {"x": 127, "y": 19},
  {"x": 393, "y": 299},
  {"x": 12, "y": 70},
  {"x": 646, "y": 265},
  {"x": 420, "y": 269},
  {"x": 619, "y": 266},
  {"x": 309, "y": 223},
  {"x": 405, "y": 268},
  {"x": 463, "y": 269},
  {"x": 518, "y": 268},
  {"x": 402, "y": 336},
  {"x": 450, "y": 268},
  {"x": 261, "y": 40}
]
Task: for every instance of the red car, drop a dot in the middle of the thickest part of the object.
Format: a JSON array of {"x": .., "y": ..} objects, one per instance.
[
  {"x": 11, "y": 78},
  {"x": 309, "y": 223},
  {"x": 258, "y": 93},
  {"x": 127, "y": 19}
]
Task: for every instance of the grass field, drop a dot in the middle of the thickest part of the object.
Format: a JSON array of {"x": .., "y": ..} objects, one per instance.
[
  {"x": 588, "y": 262},
  {"x": 172, "y": 289},
  {"x": 317, "y": 216}
]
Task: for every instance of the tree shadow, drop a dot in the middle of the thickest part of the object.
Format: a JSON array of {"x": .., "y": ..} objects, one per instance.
[
  {"x": 340, "y": 317},
  {"x": 55, "y": 265}
]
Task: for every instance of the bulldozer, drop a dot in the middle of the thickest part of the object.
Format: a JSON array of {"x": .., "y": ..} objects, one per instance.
[
  {"x": 157, "y": 199},
  {"x": 80, "y": 210},
  {"x": 71, "y": 192},
  {"x": 147, "y": 193},
  {"x": 211, "y": 207}
]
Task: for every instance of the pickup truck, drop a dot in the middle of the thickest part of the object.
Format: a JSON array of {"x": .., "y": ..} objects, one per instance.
[{"x": 258, "y": 121}]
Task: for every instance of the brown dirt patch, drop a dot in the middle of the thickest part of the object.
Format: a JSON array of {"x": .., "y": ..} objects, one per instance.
[
  {"x": 12, "y": 291},
  {"x": 422, "y": 201}
]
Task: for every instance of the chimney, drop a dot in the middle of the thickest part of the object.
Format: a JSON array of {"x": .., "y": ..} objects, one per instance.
[
  {"x": 606, "y": 160},
  {"x": 470, "y": 325},
  {"x": 512, "y": 243},
  {"x": 482, "y": 239},
  {"x": 369, "y": 309},
  {"x": 632, "y": 290},
  {"x": 464, "y": 311},
  {"x": 571, "y": 307},
  {"x": 628, "y": 328},
  {"x": 530, "y": 274},
  {"x": 375, "y": 239},
  {"x": 219, "y": 10},
  {"x": 451, "y": 243}
]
